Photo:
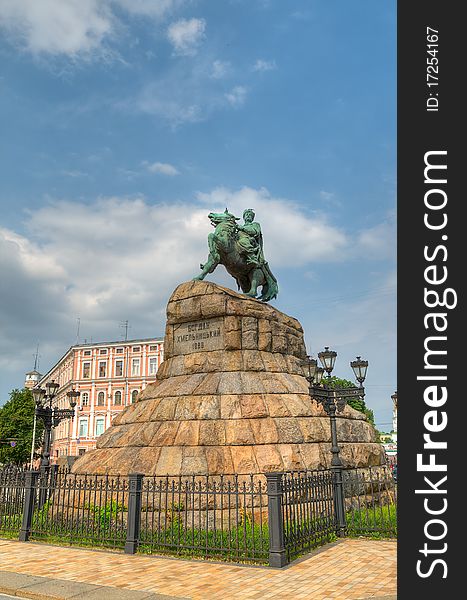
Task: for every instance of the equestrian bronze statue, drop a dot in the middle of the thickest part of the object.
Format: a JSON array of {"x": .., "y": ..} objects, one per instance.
[{"x": 240, "y": 249}]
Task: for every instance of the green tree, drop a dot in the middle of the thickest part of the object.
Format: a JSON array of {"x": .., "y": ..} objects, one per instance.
[
  {"x": 356, "y": 402},
  {"x": 16, "y": 425}
]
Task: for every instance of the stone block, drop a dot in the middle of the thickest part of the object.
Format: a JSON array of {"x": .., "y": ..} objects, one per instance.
[
  {"x": 146, "y": 460},
  {"x": 232, "y": 360},
  {"x": 219, "y": 460},
  {"x": 233, "y": 340},
  {"x": 288, "y": 430},
  {"x": 265, "y": 341},
  {"x": 230, "y": 406},
  {"x": 244, "y": 460},
  {"x": 276, "y": 406},
  {"x": 264, "y": 431},
  {"x": 252, "y": 383},
  {"x": 194, "y": 461},
  {"x": 213, "y": 306},
  {"x": 187, "y": 434},
  {"x": 268, "y": 459},
  {"x": 165, "y": 435},
  {"x": 249, "y": 340},
  {"x": 230, "y": 383},
  {"x": 185, "y": 310},
  {"x": 169, "y": 461},
  {"x": 165, "y": 410},
  {"x": 279, "y": 343},
  {"x": 238, "y": 433},
  {"x": 275, "y": 383},
  {"x": 314, "y": 429},
  {"x": 312, "y": 456},
  {"x": 209, "y": 407},
  {"x": 208, "y": 384},
  {"x": 252, "y": 406},
  {"x": 232, "y": 323},
  {"x": 212, "y": 433},
  {"x": 298, "y": 405},
  {"x": 252, "y": 360},
  {"x": 290, "y": 455}
]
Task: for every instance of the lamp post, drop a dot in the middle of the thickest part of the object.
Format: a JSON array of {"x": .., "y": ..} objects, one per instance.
[
  {"x": 50, "y": 415},
  {"x": 333, "y": 400}
]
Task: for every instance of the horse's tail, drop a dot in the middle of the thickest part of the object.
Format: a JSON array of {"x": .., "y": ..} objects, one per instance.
[{"x": 271, "y": 289}]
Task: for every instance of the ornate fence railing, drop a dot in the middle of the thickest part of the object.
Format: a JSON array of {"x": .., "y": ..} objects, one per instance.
[
  {"x": 265, "y": 519},
  {"x": 12, "y": 488}
]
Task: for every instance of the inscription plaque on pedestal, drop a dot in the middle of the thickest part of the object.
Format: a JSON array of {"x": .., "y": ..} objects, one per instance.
[{"x": 196, "y": 336}]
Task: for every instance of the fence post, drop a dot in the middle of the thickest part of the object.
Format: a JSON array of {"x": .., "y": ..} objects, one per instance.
[
  {"x": 277, "y": 553},
  {"x": 30, "y": 484},
  {"x": 135, "y": 489},
  {"x": 339, "y": 505}
]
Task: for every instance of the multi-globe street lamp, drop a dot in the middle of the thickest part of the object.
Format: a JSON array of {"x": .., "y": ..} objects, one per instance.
[
  {"x": 333, "y": 399},
  {"x": 50, "y": 415}
]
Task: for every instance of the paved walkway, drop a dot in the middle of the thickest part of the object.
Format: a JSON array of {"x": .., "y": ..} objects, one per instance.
[{"x": 344, "y": 570}]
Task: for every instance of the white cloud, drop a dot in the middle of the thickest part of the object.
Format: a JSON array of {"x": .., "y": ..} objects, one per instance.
[
  {"x": 186, "y": 94},
  {"x": 150, "y": 8},
  {"x": 186, "y": 35},
  {"x": 237, "y": 96},
  {"x": 162, "y": 168},
  {"x": 264, "y": 65},
  {"x": 220, "y": 69},
  {"x": 56, "y": 27},
  {"x": 75, "y": 28},
  {"x": 379, "y": 241},
  {"x": 285, "y": 223}
]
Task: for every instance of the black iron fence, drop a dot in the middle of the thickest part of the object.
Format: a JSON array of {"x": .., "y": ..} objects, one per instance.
[{"x": 265, "y": 519}]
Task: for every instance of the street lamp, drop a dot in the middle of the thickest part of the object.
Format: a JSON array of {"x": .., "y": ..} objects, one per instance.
[
  {"x": 51, "y": 416},
  {"x": 334, "y": 399}
]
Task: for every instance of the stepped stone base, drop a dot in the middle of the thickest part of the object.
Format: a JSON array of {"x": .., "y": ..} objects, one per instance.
[{"x": 230, "y": 397}]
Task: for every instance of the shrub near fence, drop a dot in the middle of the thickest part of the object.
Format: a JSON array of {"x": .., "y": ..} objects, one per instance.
[
  {"x": 370, "y": 502},
  {"x": 271, "y": 518},
  {"x": 87, "y": 510},
  {"x": 11, "y": 501},
  {"x": 211, "y": 517}
]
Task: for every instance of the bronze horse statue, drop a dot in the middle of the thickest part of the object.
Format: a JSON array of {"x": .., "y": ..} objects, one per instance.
[{"x": 240, "y": 250}]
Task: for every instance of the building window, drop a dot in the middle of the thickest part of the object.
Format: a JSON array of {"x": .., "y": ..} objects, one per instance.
[
  {"x": 118, "y": 397},
  {"x": 152, "y": 366},
  {"x": 119, "y": 350},
  {"x": 83, "y": 428},
  {"x": 86, "y": 370},
  {"x": 136, "y": 349},
  {"x": 118, "y": 368},
  {"x": 87, "y": 353},
  {"x": 102, "y": 369},
  {"x": 135, "y": 366},
  {"x": 100, "y": 426},
  {"x": 100, "y": 399},
  {"x": 134, "y": 394},
  {"x": 152, "y": 348},
  {"x": 103, "y": 351},
  {"x": 84, "y": 399},
  {"x": 81, "y": 451}
]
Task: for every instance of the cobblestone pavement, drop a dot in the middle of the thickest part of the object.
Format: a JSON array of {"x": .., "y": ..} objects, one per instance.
[{"x": 346, "y": 570}]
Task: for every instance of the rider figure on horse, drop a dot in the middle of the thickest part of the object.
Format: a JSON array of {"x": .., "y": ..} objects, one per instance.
[{"x": 250, "y": 239}]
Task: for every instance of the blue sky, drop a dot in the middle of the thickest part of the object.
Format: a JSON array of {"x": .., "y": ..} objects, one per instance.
[{"x": 124, "y": 122}]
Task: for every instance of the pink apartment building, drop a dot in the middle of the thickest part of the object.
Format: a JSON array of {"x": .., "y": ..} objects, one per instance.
[{"x": 108, "y": 376}]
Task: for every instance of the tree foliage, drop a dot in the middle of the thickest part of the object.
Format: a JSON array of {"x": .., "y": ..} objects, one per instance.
[{"x": 16, "y": 426}]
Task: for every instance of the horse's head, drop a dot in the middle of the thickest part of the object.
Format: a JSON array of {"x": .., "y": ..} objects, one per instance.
[{"x": 223, "y": 217}]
